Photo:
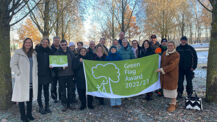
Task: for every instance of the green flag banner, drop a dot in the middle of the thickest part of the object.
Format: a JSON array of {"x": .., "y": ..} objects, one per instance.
[
  {"x": 58, "y": 60},
  {"x": 120, "y": 79}
]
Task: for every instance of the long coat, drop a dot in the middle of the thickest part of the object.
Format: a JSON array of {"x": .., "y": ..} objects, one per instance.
[
  {"x": 44, "y": 72},
  {"x": 170, "y": 67},
  {"x": 20, "y": 65}
]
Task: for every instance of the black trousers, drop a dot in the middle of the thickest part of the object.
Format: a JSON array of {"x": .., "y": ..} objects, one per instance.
[
  {"x": 83, "y": 99},
  {"x": 189, "y": 76},
  {"x": 22, "y": 107},
  {"x": 66, "y": 84},
  {"x": 55, "y": 88},
  {"x": 45, "y": 88},
  {"x": 74, "y": 89}
]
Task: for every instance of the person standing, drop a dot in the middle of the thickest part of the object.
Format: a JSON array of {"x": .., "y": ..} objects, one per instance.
[
  {"x": 72, "y": 48},
  {"x": 91, "y": 50},
  {"x": 65, "y": 76},
  {"x": 24, "y": 64},
  {"x": 116, "y": 44},
  {"x": 154, "y": 43},
  {"x": 100, "y": 56},
  {"x": 163, "y": 45},
  {"x": 103, "y": 43},
  {"x": 54, "y": 87},
  {"x": 79, "y": 46},
  {"x": 44, "y": 74},
  {"x": 125, "y": 51},
  {"x": 169, "y": 74},
  {"x": 81, "y": 84},
  {"x": 187, "y": 65},
  {"x": 114, "y": 56},
  {"x": 135, "y": 48},
  {"x": 146, "y": 50},
  {"x": 121, "y": 37}
]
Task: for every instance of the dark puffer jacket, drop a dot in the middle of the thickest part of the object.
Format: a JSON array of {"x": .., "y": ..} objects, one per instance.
[
  {"x": 188, "y": 57},
  {"x": 69, "y": 71}
]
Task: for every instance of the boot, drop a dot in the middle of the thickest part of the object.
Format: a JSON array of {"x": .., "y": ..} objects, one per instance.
[
  {"x": 64, "y": 108},
  {"x": 171, "y": 108},
  {"x": 47, "y": 110},
  {"x": 41, "y": 110}
]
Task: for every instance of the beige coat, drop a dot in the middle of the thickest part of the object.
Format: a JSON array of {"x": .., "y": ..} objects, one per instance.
[{"x": 20, "y": 65}]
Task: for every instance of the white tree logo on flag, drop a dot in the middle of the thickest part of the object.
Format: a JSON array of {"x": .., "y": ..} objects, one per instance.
[{"x": 106, "y": 76}]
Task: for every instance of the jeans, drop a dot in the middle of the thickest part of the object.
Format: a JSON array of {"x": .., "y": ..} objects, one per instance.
[{"x": 115, "y": 101}]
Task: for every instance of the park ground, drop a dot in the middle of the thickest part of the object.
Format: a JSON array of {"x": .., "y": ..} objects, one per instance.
[{"x": 133, "y": 109}]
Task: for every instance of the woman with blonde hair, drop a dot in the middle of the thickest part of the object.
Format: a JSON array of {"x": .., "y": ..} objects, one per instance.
[
  {"x": 169, "y": 74},
  {"x": 24, "y": 65}
]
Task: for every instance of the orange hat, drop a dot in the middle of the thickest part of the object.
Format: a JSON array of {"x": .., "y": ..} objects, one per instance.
[{"x": 158, "y": 50}]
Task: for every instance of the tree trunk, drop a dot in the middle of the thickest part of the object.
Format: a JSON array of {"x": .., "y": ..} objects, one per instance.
[
  {"x": 46, "y": 32},
  {"x": 5, "y": 72},
  {"x": 123, "y": 16},
  {"x": 211, "y": 87}
]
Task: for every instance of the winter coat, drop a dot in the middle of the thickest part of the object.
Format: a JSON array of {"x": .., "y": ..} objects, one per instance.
[
  {"x": 188, "y": 57},
  {"x": 155, "y": 46},
  {"x": 69, "y": 71},
  {"x": 103, "y": 58},
  {"x": 126, "y": 53},
  {"x": 80, "y": 78},
  {"x": 113, "y": 57},
  {"x": 44, "y": 72},
  {"x": 163, "y": 49},
  {"x": 90, "y": 53},
  {"x": 20, "y": 65},
  {"x": 145, "y": 52},
  {"x": 53, "y": 50},
  {"x": 169, "y": 70}
]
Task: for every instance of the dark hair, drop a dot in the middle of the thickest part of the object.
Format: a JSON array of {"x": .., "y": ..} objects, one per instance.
[
  {"x": 82, "y": 49},
  {"x": 113, "y": 47},
  {"x": 47, "y": 40},
  {"x": 80, "y": 43},
  {"x": 144, "y": 43},
  {"x": 63, "y": 41},
  {"x": 31, "y": 50}
]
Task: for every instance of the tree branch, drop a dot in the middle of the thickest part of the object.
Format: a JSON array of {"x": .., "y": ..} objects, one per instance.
[
  {"x": 205, "y": 6},
  {"x": 25, "y": 15}
]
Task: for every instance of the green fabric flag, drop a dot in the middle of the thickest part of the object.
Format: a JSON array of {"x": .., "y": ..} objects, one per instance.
[
  {"x": 120, "y": 79},
  {"x": 58, "y": 60}
]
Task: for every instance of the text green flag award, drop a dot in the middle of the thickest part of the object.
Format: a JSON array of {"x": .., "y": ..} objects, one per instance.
[
  {"x": 120, "y": 79},
  {"x": 58, "y": 60}
]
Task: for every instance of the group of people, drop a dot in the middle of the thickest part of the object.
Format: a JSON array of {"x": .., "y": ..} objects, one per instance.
[{"x": 33, "y": 74}]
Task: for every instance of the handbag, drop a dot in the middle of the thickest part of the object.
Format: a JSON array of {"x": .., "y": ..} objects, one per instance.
[{"x": 193, "y": 102}]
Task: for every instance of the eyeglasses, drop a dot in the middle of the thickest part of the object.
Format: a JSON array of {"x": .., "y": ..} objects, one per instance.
[{"x": 63, "y": 44}]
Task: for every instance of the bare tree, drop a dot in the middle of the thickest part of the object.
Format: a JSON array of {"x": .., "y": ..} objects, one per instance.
[
  {"x": 8, "y": 17},
  {"x": 211, "y": 86}
]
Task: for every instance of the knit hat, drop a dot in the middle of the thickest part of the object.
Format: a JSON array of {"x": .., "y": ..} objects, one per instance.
[
  {"x": 163, "y": 40},
  {"x": 71, "y": 44},
  {"x": 184, "y": 38},
  {"x": 112, "y": 47},
  {"x": 153, "y": 36}
]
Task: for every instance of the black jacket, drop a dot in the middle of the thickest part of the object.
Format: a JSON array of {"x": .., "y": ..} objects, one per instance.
[
  {"x": 69, "y": 71},
  {"x": 80, "y": 78},
  {"x": 90, "y": 54},
  {"x": 147, "y": 52},
  {"x": 103, "y": 58},
  {"x": 44, "y": 72},
  {"x": 188, "y": 57}
]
